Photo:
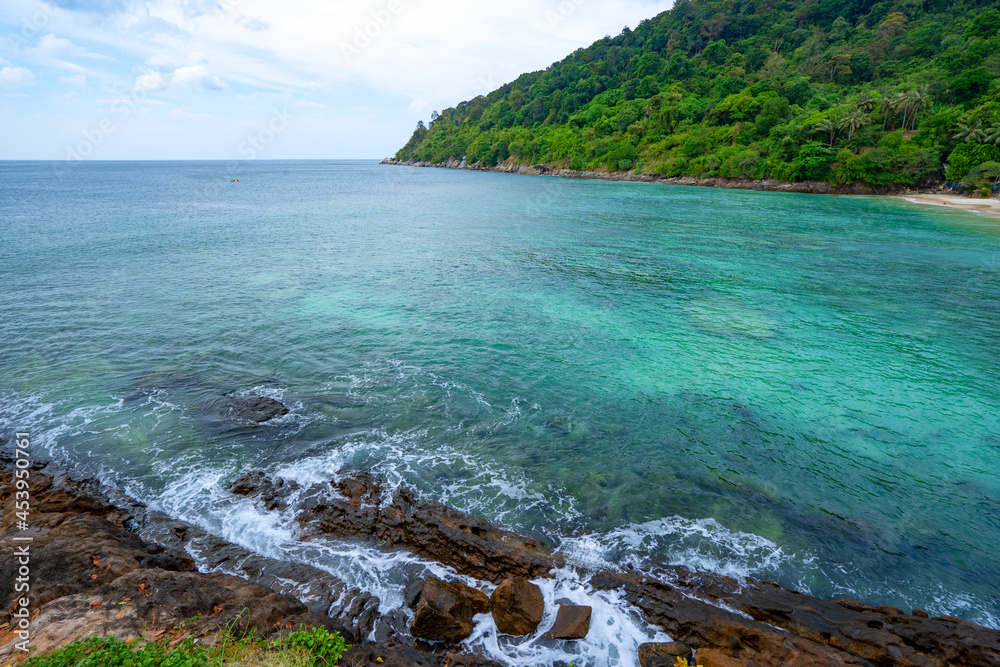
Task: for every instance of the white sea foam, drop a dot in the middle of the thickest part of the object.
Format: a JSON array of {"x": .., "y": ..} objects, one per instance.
[
  {"x": 702, "y": 544},
  {"x": 616, "y": 629}
]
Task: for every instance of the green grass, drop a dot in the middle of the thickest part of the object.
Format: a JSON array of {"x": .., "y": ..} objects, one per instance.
[{"x": 306, "y": 648}]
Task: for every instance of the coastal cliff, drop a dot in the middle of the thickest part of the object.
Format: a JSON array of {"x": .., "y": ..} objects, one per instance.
[{"x": 107, "y": 565}]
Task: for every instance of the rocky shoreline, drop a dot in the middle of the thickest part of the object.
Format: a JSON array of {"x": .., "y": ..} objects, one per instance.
[
  {"x": 512, "y": 166},
  {"x": 105, "y": 564}
]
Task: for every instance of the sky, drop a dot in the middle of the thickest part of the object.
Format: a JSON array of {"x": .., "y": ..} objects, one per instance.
[{"x": 261, "y": 79}]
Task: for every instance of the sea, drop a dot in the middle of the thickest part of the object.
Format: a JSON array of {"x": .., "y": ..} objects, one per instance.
[{"x": 798, "y": 388}]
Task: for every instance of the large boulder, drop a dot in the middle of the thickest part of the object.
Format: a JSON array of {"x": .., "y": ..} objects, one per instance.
[
  {"x": 572, "y": 622},
  {"x": 445, "y": 611},
  {"x": 517, "y": 606}
]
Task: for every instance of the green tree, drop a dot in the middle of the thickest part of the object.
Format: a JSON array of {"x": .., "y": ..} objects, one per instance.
[
  {"x": 971, "y": 133},
  {"x": 855, "y": 118}
]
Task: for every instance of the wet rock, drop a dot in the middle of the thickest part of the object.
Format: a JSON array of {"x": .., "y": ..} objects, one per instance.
[
  {"x": 517, "y": 606},
  {"x": 362, "y": 507},
  {"x": 703, "y": 625},
  {"x": 444, "y": 611},
  {"x": 411, "y": 594},
  {"x": 784, "y": 627},
  {"x": 371, "y": 655},
  {"x": 272, "y": 492},
  {"x": 456, "y": 660},
  {"x": 572, "y": 622},
  {"x": 881, "y": 635},
  {"x": 79, "y": 546},
  {"x": 710, "y": 657},
  {"x": 664, "y": 654},
  {"x": 245, "y": 409}
]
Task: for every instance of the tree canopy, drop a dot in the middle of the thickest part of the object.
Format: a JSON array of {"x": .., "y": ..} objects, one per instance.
[{"x": 846, "y": 91}]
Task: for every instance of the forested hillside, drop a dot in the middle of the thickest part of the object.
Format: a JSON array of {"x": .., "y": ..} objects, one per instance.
[{"x": 845, "y": 91}]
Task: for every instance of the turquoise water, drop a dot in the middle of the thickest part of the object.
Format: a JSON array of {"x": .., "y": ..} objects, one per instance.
[{"x": 800, "y": 388}]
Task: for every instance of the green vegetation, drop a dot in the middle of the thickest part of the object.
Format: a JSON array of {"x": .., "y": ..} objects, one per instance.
[
  {"x": 305, "y": 648},
  {"x": 842, "y": 91}
]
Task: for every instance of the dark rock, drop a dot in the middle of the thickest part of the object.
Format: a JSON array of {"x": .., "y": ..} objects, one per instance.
[
  {"x": 790, "y": 628},
  {"x": 572, "y": 622},
  {"x": 664, "y": 654},
  {"x": 445, "y": 609},
  {"x": 920, "y": 613},
  {"x": 471, "y": 545},
  {"x": 271, "y": 491},
  {"x": 411, "y": 594},
  {"x": 517, "y": 606},
  {"x": 245, "y": 409},
  {"x": 456, "y": 660},
  {"x": 369, "y": 655},
  {"x": 703, "y": 625},
  {"x": 170, "y": 562}
]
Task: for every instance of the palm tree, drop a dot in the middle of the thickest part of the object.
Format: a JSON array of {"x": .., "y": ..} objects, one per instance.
[
  {"x": 866, "y": 101},
  {"x": 827, "y": 127},
  {"x": 885, "y": 105},
  {"x": 917, "y": 99},
  {"x": 971, "y": 133},
  {"x": 993, "y": 134},
  {"x": 902, "y": 100},
  {"x": 855, "y": 118}
]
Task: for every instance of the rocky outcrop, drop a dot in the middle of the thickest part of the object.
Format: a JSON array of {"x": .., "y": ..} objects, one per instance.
[
  {"x": 108, "y": 566},
  {"x": 245, "y": 409},
  {"x": 769, "y": 625},
  {"x": 91, "y": 575},
  {"x": 756, "y": 623},
  {"x": 572, "y": 622},
  {"x": 517, "y": 606},
  {"x": 104, "y": 564},
  {"x": 512, "y": 166},
  {"x": 445, "y": 610},
  {"x": 362, "y": 507}
]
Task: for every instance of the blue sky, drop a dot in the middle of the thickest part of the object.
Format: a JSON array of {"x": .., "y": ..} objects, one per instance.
[{"x": 228, "y": 79}]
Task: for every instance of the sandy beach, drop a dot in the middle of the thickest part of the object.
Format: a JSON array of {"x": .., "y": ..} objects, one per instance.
[{"x": 989, "y": 207}]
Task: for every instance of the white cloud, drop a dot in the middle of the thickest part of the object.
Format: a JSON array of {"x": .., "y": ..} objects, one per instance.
[
  {"x": 189, "y": 77},
  {"x": 436, "y": 50},
  {"x": 197, "y": 77},
  {"x": 184, "y": 114},
  {"x": 77, "y": 80},
  {"x": 51, "y": 48},
  {"x": 15, "y": 77},
  {"x": 418, "y": 106},
  {"x": 150, "y": 82},
  {"x": 309, "y": 103}
]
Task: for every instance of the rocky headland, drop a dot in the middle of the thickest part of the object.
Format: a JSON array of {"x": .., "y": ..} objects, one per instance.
[{"x": 104, "y": 564}]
